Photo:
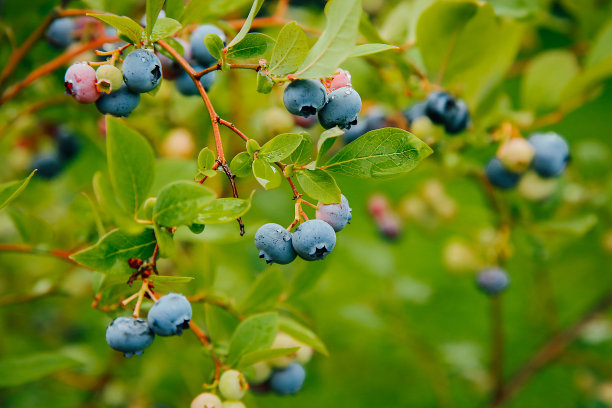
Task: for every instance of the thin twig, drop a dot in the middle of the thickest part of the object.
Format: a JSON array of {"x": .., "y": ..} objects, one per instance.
[{"x": 231, "y": 177}]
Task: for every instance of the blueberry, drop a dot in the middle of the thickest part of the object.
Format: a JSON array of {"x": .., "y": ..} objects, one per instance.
[
  {"x": 143, "y": 19},
  {"x": 341, "y": 110},
  {"x": 499, "y": 176},
  {"x": 313, "y": 240},
  {"x": 336, "y": 215},
  {"x": 141, "y": 70},
  {"x": 416, "y": 111},
  {"x": 187, "y": 87},
  {"x": 232, "y": 385},
  {"x": 48, "y": 166},
  {"x": 376, "y": 119},
  {"x": 357, "y": 130},
  {"x": 80, "y": 83},
  {"x": 551, "y": 154},
  {"x": 457, "y": 118},
  {"x": 304, "y": 97},
  {"x": 199, "y": 51},
  {"x": 60, "y": 33},
  {"x": 493, "y": 280},
  {"x": 129, "y": 335},
  {"x": 67, "y": 144},
  {"x": 119, "y": 103},
  {"x": 288, "y": 381},
  {"x": 437, "y": 106},
  {"x": 170, "y": 315},
  {"x": 206, "y": 400},
  {"x": 275, "y": 244}
]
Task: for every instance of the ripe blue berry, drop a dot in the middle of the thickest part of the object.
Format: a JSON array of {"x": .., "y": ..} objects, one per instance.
[
  {"x": 288, "y": 381},
  {"x": 341, "y": 110},
  {"x": 185, "y": 84},
  {"x": 416, "y": 111},
  {"x": 80, "y": 83},
  {"x": 143, "y": 19},
  {"x": 141, "y": 70},
  {"x": 357, "y": 130},
  {"x": 376, "y": 119},
  {"x": 170, "y": 315},
  {"x": 499, "y": 176},
  {"x": 336, "y": 215},
  {"x": 313, "y": 240},
  {"x": 67, "y": 144},
  {"x": 304, "y": 97},
  {"x": 49, "y": 166},
  {"x": 493, "y": 280},
  {"x": 275, "y": 244},
  {"x": 129, "y": 335},
  {"x": 60, "y": 33},
  {"x": 437, "y": 105},
  {"x": 457, "y": 119},
  {"x": 551, "y": 154},
  {"x": 199, "y": 51},
  {"x": 119, "y": 103}
]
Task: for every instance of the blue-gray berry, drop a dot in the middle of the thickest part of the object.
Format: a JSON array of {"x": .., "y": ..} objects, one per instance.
[
  {"x": 551, "y": 154},
  {"x": 342, "y": 108},
  {"x": 357, "y": 130},
  {"x": 289, "y": 380},
  {"x": 187, "y": 87},
  {"x": 492, "y": 280},
  {"x": 414, "y": 112},
  {"x": 199, "y": 51},
  {"x": 457, "y": 118},
  {"x": 336, "y": 215},
  {"x": 48, "y": 166},
  {"x": 304, "y": 97},
  {"x": 61, "y": 32},
  {"x": 313, "y": 240},
  {"x": 275, "y": 244},
  {"x": 141, "y": 70},
  {"x": 118, "y": 103},
  {"x": 129, "y": 335},
  {"x": 499, "y": 176},
  {"x": 170, "y": 315}
]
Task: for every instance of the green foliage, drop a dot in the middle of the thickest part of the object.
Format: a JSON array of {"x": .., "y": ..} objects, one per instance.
[
  {"x": 251, "y": 46},
  {"x": 179, "y": 203},
  {"x": 164, "y": 27},
  {"x": 22, "y": 370},
  {"x": 12, "y": 189},
  {"x": 255, "y": 333},
  {"x": 247, "y": 24},
  {"x": 290, "y": 50},
  {"x": 126, "y": 26},
  {"x": 319, "y": 185}
]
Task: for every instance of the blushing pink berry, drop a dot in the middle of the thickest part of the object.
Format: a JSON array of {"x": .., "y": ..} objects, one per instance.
[
  {"x": 80, "y": 82},
  {"x": 340, "y": 80}
]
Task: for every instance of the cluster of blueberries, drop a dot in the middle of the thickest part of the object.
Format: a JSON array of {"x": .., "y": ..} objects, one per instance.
[
  {"x": 336, "y": 103},
  {"x": 169, "y": 316},
  {"x": 492, "y": 280},
  {"x": 312, "y": 240},
  {"x": 50, "y": 164},
  {"x": 546, "y": 153}
]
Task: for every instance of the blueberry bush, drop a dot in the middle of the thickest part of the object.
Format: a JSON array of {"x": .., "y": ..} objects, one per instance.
[{"x": 293, "y": 203}]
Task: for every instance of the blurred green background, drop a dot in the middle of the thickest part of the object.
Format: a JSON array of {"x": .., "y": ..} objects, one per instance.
[{"x": 402, "y": 319}]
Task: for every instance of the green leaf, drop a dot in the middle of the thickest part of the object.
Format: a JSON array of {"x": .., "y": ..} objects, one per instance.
[
  {"x": 165, "y": 27},
  {"x": 337, "y": 41},
  {"x": 266, "y": 174},
  {"x": 214, "y": 44},
  {"x": 380, "y": 153},
  {"x": 220, "y": 323},
  {"x": 12, "y": 189},
  {"x": 290, "y": 50},
  {"x": 301, "y": 334},
  {"x": 16, "y": 371},
  {"x": 32, "y": 228},
  {"x": 209, "y": 10},
  {"x": 304, "y": 279},
  {"x": 369, "y": 49},
  {"x": 264, "y": 293},
  {"x": 164, "y": 238},
  {"x": 254, "y": 333},
  {"x": 545, "y": 79},
  {"x": 319, "y": 185},
  {"x": 241, "y": 164},
  {"x": 247, "y": 23},
  {"x": 264, "y": 83},
  {"x": 577, "y": 227},
  {"x": 111, "y": 253},
  {"x": 206, "y": 159},
  {"x": 601, "y": 50},
  {"x": 223, "y": 210},
  {"x": 326, "y": 141},
  {"x": 179, "y": 203},
  {"x": 174, "y": 8},
  {"x": 166, "y": 279},
  {"x": 126, "y": 25},
  {"x": 252, "y": 45},
  {"x": 131, "y": 164},
  {"x": 110, "y": 204},
  {"x": 280, "y": 147},
  {"x": 263, "y": 355},
  {"x": 153, "y": 7},
  {"x": 303, "y": 153}
]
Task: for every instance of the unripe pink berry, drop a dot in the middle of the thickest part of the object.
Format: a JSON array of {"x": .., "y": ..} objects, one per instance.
[
  {"x": 80, "y": 82},
  {"x": 378, "y": 205},
  {"x": 340, "y": 80}
]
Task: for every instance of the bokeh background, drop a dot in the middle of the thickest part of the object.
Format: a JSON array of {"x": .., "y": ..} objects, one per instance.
[{"x": 402, "y": 318}]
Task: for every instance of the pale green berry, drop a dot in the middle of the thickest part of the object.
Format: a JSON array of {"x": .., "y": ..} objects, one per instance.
[
  {"x": 259, "y": 373},
  {"x": 233, "y": 385},
  {"x": 304, "y": 354},
  {"x": 283, "y": 340},
  {"x": 109, "y": 78},
  {"x": 516, "y": 154},
  {"x": 233, "y": 404},
  {"x": 206, "y": 400}
]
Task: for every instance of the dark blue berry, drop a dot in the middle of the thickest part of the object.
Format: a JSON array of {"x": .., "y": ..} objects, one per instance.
[
  {"x": 342, "y": 108},
  {"x": 67, "y": 144},
  {"x": 141, "y": 70},
  {"x": 313, "y": 240},
  {"x": 493, "y": 280},
  {"x": 61, "y": 32},
  {"x": 358, "y": 129},
  {"x": 49, "y": 166},
  {"x": 457, "y": 118},
  {"x": 499, "y": 176},
  {"x": 416, "y": 111},
  {"x": 438, "y": 104},
  {"x": 304, "y": 97},
  {"x": 274, "y": 244},
  {"x": 199, "y": 51},
  {"x": 119, "y": 103},
  {"x": 551, "y": 154},
  {"x": 187, "y": 87}
]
